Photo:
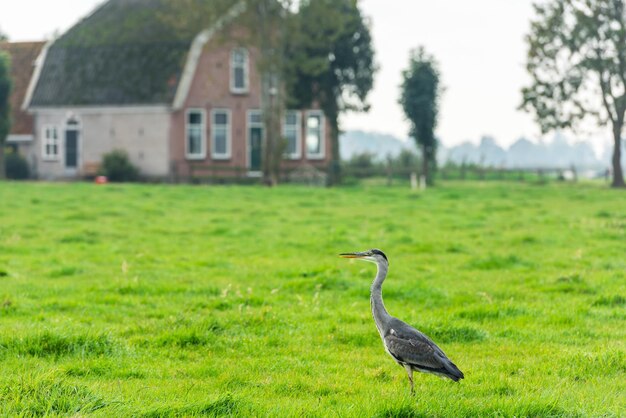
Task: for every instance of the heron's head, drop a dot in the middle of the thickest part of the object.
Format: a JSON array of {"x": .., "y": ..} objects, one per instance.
[{"x": 373, "y": 255}]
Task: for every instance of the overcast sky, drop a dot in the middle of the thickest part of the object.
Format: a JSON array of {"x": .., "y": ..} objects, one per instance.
[
  {"x": 479, "y": 45},
  {"x": 480, "y": 49}
]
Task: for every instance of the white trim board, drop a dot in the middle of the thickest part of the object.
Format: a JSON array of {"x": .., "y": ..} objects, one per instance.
[
  {"x": 39, "y": 62},
  {"x": 16, "y": 139}
]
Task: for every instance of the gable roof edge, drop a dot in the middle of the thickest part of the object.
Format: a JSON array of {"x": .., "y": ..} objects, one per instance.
[
  {"x": 196, "y": 50},
  {"x": 39, "y": 62}
]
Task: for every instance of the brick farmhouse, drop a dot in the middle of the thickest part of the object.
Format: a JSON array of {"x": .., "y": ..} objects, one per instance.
[{"x": 122, "y": 79}]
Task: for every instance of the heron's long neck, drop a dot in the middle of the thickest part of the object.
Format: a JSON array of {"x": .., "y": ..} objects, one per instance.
[{"x": 381, "y": 317}]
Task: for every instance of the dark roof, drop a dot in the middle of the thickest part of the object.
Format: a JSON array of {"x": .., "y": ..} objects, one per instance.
[
  {"x": 124, "y": 53},
  {"x": 23, "y": 56}
]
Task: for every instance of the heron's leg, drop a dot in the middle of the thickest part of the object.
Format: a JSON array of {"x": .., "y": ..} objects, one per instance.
[{"x": 409, "y": 372}]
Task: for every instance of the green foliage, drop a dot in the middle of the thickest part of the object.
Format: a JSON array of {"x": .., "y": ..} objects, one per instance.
[
  {"x": 331, "y": 62},
  {"x": 366, "y": 165},
  {"x": 118, "y": 168},
  {"x": 577, "y": 60},
  {"x": 150, "y": 300},
  {"x": 333, "y": 57},
  {"x": 16, "y": 166},
  {"x": 420, "y": 92},
  {"x": 362, "y": 163},
  {"x": 406, "y": 161}
]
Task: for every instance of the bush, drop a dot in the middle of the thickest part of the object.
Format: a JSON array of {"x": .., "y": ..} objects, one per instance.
[
  {"x": 406, "y": 161},
  {"x": 362, "y": 165},
  {"x": 16, "y": 167},
  {"x": 116, "y": 166}
]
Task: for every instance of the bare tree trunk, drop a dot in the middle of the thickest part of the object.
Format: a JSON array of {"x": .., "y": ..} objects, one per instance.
[
  {"x": 425, "y": 166},
  {"x": 618, "y": 174},
  {"x": 2, "y": 166},
  {"x": 334, "y": 175},
  {"x": 270, "y": 94},
  {"x": 270, "y": 116}
]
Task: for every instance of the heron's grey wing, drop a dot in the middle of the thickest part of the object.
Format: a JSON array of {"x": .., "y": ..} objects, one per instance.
[
  {"x": 409, "y": 346},
  {"x": 413, "y": 352}
]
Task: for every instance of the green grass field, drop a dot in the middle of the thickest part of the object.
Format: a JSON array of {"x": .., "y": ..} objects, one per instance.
[{"x": 163, "y": 301}]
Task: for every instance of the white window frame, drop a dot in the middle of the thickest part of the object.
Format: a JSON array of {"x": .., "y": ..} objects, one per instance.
[
  {"x": 246, "y": 72},
  {"x": 202, "y": 154},
  {"x": 298, "y": 126},
  {"x": 322, "y": 128},
  {"x": 228, "y": 153},
  {"x": 45, "y": 141}
]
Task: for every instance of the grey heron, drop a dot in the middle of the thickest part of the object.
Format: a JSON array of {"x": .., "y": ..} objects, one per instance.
[{"x": 409, "y": 347}]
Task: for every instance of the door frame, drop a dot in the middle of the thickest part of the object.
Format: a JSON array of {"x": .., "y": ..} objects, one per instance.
[
  {"x": 76, "y": 126},
  {"x": 249, "y": 126}
]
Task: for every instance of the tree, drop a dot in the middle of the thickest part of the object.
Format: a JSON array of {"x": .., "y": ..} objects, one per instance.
[
  {"x": 5, "y": 111},
  {"x": 419, "y": 98},
  {"x": 577, "y": 63},
  {"x": 331, "y": 63}
]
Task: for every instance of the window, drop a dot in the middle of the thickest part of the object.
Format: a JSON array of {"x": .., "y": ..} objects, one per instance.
[
  {"x": 50, "y": 143},
  {"x": 239, "y": 71},
  {"x": 255, "y": 118},
  {"x": 220, "y": 134},
  {"x": 195, "y": 134},
  {"x": 291, "y": 132},
  {"x": 315, "y": 135}
]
